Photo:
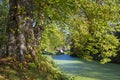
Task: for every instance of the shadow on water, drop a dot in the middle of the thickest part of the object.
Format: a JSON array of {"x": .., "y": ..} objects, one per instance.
[{"x": 84, "y": 69}]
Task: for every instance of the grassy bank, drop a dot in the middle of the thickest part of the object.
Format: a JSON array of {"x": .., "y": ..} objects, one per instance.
[
  {"x": 84, "y": 70},
  {"x": 47, "y": 70}
]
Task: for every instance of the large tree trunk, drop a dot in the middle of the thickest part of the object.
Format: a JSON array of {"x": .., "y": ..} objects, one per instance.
[{"x": 21, "y": 35}]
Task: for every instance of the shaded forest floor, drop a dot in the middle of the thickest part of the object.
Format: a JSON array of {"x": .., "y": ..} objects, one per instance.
[
  {"x": 13, "y": 70},
  {"x": 84, "y": 70}
]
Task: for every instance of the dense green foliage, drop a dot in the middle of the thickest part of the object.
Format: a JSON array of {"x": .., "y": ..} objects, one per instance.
[
  {"x": 52, "y": 38},
  {"x": 92, "y": 34},
  {"x": 53, "y": 15},
  {"x": 88, "y": 26}
]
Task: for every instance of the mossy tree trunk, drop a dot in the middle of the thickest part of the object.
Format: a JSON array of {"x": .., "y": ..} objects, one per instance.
[{"x": 21, "y": 33}]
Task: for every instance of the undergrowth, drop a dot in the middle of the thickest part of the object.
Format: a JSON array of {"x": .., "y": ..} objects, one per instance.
[{"x": 45, "y": 69}]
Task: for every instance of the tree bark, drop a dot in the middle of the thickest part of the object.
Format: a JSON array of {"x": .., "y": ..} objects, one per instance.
[{"x": 22, "y": 36}]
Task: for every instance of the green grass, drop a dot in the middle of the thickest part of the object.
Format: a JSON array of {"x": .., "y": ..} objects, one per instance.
[{"x": 84, "y": 70}]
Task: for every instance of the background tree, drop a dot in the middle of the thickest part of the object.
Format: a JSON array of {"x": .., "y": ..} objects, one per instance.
[
  {"x": 52, "y": 38},
  {"x": 92, "y": 36}
]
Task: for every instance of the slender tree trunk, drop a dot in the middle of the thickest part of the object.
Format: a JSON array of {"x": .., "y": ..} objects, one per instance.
[{"x": 21, "y": 35}]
